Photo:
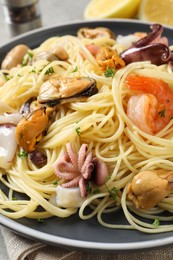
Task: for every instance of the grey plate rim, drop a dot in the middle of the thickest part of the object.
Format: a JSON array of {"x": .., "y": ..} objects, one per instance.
[{"x": 73, "y": 243}]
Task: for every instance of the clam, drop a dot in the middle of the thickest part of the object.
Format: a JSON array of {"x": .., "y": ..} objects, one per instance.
[
  {"x": 95, "y": 33},
  {"x": 58, "y": 53},
  {"x": 59, "y": 91},
  {"x": 14, "y": 57}
]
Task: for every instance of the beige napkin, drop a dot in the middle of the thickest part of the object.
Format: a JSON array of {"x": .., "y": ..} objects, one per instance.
[{"x": 20, "y": 248}]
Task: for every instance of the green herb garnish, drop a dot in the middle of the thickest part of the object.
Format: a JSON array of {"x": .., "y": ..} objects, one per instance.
[
  {"x": 107, "y": 178},
  {"x": 49, "y": 71},
  {"x": 75, "y": 69},
  {"x": 114, "y": 192},
  {"x": 22, "y": 154},
  {"x": 32, "y": 71},
  {"x": 156, "y": 222},
  {"x": 6, "y": 76},
  {"x": 90, "y": 190},
  {"x": 110, "y": 72},
  {"x": 78, "y": 131},
  {"x": 162, "y": 112},
  {"x": 14, "y": 198},
  {"x": 27, "y": 58},
  {"x": 55, "y": 182},
  {"x": 40, "y": 220},
  {"x": 96, "y": 191}
]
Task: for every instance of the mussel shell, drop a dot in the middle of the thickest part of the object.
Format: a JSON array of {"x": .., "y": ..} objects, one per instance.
[
  {"x": 60, "y": 91},
  {"x": 95, "y": 33},
  {"x": 26, "y": 109}
]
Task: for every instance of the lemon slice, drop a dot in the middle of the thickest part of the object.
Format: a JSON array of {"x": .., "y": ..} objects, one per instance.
[
  {"x": 160, "y": 11},
  {"x": 98, "y": 9}
]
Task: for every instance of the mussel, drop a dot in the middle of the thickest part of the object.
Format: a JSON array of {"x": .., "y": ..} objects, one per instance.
[
  {"x": 94, "y": 33},
  {"x": 69, "y": 89},
  {"x": 30, "y": 129},
  {"x": 28, "y": 106}
]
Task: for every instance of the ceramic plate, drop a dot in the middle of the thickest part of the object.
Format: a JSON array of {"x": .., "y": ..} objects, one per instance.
[{"x": 72, "y": 232}]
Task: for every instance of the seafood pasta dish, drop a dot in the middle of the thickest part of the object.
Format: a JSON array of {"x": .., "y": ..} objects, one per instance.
[{"x": 86, "y": 127}]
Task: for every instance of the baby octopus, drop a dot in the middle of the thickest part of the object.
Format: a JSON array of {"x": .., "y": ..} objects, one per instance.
[
  {"x": 78, "y": 169},
  {"x": 153, "y": 47},
  {"x": 148, "y": 188}
]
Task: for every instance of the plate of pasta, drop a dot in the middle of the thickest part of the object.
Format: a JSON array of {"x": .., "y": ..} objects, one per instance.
[{"x": 86, "y": 135}]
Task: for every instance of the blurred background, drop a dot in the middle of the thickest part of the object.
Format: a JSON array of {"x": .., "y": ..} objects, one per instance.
[
  {"x": 17, "y": 16},
  {"x": 52, "y": 12}
]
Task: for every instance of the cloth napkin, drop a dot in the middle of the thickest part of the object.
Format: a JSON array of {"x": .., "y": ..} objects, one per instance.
[{"x": 20, "y": 248}]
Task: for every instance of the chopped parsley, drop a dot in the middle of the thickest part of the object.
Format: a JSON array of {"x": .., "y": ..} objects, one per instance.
[
  {"x": 49, "y": 71},
  {"x": 78, "y": 131},
  {"x": 55, "y": 182},
  {"x": 22, "y": 154},
  {"x": 156, "y": 222},
  {"x": 162, "y": 112},
  {"x": 75, "y": 69},
  {"x": 40, "y": 220},
  {"x": 91, "y": 190},
  {"x": 32, "y": 71},
  {"x": 27, "y": 58},
  {"x": 114, "y": 192},
  {"x": 96, "y": 191},
  {"x": 107, "y": 178},
  {"x": 110, "y": 72},
  {"x": 6, "y": 76}
]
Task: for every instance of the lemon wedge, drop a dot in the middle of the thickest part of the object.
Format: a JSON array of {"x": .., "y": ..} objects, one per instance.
[
  {"x": 98, "y": 9},
  {"x": 160, "y": 11}
]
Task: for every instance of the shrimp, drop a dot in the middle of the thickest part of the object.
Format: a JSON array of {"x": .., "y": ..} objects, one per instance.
[
  {"x": 93, "y": 49},
  {"x": 151, "y": 108}
]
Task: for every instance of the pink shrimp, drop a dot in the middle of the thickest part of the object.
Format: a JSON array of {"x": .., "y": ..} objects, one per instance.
[
  {"x": 92, "y": 48},
  {"x": 151, "y": 108}
]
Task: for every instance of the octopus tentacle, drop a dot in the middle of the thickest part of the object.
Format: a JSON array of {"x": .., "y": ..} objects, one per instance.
[
  {"x": 152, "y": 47},
  {"x": 157, "y": 53},
  {"x": 66, "y": 171},
  {"x": 87, "y": 161},
  {"x": 82, "y": 187},
  {"x": 77, "y": 170},
  {"x": 82, "y": 155},
  {"x": 156, "y": 33},
  {"x": 72, "y": 155},
  {"x": 73, "y": 183},
  {"x": 64, "y": 168},
  {"x": 88, "y": 171}
]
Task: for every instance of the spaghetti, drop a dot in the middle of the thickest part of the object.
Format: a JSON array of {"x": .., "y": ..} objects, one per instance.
[{"x": 101, "y": 122}]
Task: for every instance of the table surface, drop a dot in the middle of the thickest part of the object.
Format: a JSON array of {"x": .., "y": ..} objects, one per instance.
[{"x": 52, "y": 12}]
